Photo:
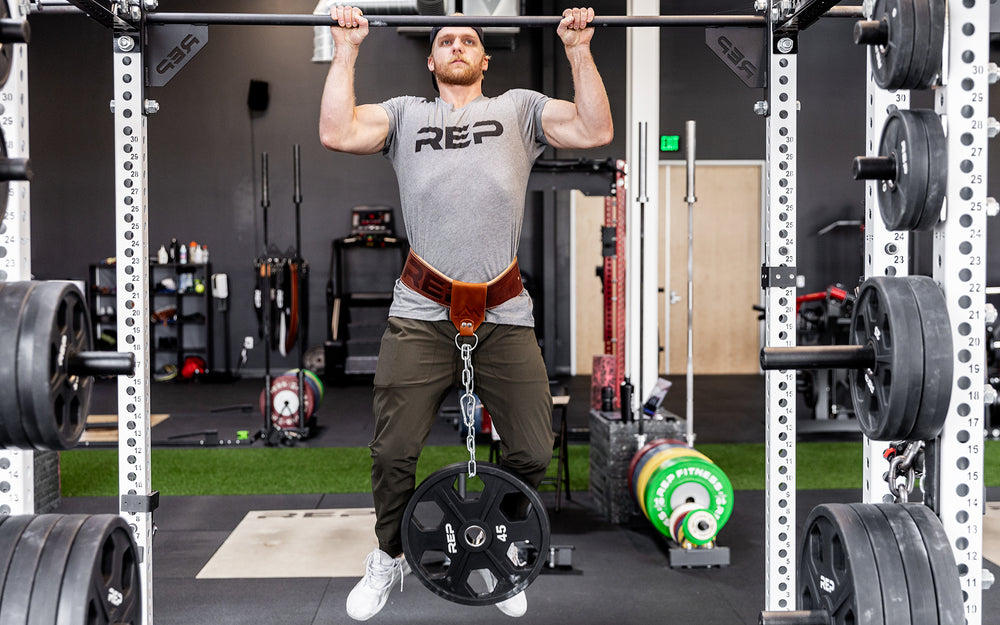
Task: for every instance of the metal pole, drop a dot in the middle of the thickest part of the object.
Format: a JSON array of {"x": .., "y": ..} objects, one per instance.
[
  {"x": 642, "y": 199},
  {"x": 523, "y": 21},
  {"x": 689, "y": 131}
]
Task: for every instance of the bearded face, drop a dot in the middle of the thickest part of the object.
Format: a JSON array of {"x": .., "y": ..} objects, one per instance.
[{"x": 458, "y": 57}]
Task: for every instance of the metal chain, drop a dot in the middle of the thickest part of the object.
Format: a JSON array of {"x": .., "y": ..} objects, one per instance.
[
  {"x": 905, "y": 466},
  {"x": 467, "y": 401}
]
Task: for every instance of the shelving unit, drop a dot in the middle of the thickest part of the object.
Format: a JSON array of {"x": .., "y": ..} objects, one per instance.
[
  {"x": 189, "y": 331},
  {"x": 103, "y": 294}
]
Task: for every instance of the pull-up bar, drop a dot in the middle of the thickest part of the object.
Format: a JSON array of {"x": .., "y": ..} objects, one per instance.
[{"x": 523, "y": 21}]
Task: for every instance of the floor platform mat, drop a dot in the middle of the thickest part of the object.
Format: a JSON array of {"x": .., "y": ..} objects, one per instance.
[{"x": 295, "y": 543}]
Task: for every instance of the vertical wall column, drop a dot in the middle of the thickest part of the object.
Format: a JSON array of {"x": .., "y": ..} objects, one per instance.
[
  {"x": 960, "y": 268},
  {"x": 778, "y": 279},
  {"x": 643, "y": 85},
  {"x": 887, "y": 253},
  {"x": 17, "y": 468},
  {"x": 132, "y": 250}
]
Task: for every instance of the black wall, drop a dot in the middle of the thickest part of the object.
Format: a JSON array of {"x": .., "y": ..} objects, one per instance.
[{"x": 204, "y": 179}]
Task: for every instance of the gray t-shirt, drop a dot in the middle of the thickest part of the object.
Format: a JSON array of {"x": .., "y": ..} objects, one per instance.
[{"x": 463, "y": 175}]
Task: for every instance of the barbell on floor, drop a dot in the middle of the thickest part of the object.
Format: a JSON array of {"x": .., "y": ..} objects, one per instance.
[
  {"x": 900, "y": 358},
  {"x": 47, "y": 370}
]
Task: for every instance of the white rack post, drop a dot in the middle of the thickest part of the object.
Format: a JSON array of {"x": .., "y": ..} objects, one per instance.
[
  {"x": 960, "y": 268},
  {"x": 132, "y": 249},
  {"x": 17, "y": 468},
  {"x": 778, "y": 279}
]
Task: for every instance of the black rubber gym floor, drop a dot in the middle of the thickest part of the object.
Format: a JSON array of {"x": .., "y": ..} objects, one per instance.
[{"x": 620, "y": 574}]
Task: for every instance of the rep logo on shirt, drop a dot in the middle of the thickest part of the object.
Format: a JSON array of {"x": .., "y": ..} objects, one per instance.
[{"x": 456, "y": 137}]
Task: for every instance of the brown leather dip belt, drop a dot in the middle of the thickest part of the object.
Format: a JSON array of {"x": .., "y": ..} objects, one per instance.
[{"x": 467, "y": 302}]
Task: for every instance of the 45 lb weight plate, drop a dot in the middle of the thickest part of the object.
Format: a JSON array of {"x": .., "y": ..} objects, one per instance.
[{"x": 475, "y": 547}]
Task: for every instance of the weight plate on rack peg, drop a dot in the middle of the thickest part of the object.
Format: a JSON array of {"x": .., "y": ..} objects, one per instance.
[
  {"x": 475, "y": 547},
  {"x": 895, "y": 592},
  {"x": 10, "y": 534},
  {"x": 54, "y": 403},
  {"x": 16, "y": 596},
  {"x": 902, "y": 198},
  {"x": 837, "y": 571},
  {"x": 891, "y": 60},
  {"x": 51, "y": 566},
  {"x": 101, "y": 582},
  {"x": 13, "y": 296},
  {"x": 947, "y": 589},
  {"x": 938, "y": 365},
  {"x": 6, "y": 52},
  {"x": 886, "y": 396},
  {"x": 916, "y": 567},
  {"x": 921, "y": 55},
  {"x": 937, "y": 169}
]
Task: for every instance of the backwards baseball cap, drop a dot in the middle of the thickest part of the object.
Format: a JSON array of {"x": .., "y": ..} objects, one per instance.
[{"x": 478, "y": 29}]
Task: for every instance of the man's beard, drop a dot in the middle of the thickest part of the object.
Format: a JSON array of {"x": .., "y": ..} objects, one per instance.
[{"x": 458, "y": 75}]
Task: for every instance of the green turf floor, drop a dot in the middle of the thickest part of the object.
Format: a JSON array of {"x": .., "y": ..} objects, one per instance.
[{"x": 94, "y": 472}]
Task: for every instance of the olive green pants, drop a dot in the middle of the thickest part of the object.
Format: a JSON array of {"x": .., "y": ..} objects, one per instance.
[{"x": 418, "y": 366}]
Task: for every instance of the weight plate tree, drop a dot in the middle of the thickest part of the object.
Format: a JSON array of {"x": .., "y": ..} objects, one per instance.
[{"x": 475, "y": 547}]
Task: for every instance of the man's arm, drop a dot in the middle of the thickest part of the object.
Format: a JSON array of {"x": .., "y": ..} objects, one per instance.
[
  {"x": 343, "y": 126},
  {"x": 585, "y": 122}
]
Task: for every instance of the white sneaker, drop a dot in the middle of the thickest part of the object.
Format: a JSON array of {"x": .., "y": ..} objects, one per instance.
[
  {"x": 370, "y": 594},
  {"x": 515, "y": 606}
]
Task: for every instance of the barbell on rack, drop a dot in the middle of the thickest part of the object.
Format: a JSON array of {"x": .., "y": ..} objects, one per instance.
[
  {"x": 878, "y": 564},
  {"x": 900, "y": 358},
  {"x": 46, "y": 373},
  {"x": 912, "y": 167}
]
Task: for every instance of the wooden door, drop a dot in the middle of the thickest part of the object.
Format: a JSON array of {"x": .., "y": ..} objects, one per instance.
[
  {"x": 726, "y": 270},
  {"x": 727, "y": 253}
]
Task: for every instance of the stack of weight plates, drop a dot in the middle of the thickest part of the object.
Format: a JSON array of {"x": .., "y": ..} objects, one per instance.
[
  {"x": 285, "y": 398},
  {"x": 681, "y": 491},
  {"x": 312, "y": 380}
]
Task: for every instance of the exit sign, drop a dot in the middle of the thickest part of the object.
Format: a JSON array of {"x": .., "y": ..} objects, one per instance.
[{"x": 670, "y": 143}]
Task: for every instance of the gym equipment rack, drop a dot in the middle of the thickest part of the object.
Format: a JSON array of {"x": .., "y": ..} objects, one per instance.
[{"x": 959, "y": 267}]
